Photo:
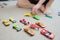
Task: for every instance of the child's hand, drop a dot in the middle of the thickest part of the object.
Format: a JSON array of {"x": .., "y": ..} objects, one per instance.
[{"x": 35, "y": 9}]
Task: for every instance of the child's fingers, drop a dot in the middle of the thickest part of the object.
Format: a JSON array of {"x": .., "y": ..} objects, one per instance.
[{"x": 33, "y": 11}]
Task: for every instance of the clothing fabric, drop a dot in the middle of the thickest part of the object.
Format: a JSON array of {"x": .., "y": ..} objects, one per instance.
[{"x": 36, "y": 1}]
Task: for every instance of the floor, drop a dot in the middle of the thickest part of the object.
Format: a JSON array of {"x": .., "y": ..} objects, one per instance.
[{"x": 11, "y": 10}]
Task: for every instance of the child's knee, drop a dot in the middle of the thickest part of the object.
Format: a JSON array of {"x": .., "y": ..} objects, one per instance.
[{"x": 19, "y": 4}]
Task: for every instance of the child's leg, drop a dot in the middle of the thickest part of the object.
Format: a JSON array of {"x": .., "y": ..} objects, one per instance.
[
  {"x": 24, "y": 4},
  {"x": 48, "y": 5},
  {"x": 42, "y": 8}
]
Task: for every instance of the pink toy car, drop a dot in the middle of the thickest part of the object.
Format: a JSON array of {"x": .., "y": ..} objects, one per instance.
[{"x": 47, "y": 34}]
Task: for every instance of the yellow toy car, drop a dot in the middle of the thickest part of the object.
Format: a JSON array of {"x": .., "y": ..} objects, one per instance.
[
  {"x": 12, "y": 20},
  {"x": 28, "y": 14},
  {"x": 6, "y": 23}
]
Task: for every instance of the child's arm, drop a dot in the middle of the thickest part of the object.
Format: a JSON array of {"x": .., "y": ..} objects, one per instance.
[
  {"x": 37, "y": 6},
  {"x": 40, "y": 3}
]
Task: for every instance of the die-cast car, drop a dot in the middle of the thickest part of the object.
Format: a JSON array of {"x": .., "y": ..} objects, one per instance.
[
  {"x": 47, "y": 33},
  {"x": 33, "y": 26},
  {"x": 12, "y": 20},
  {"x": 29, "y": 31},
  {"x": 6, "y": 23},
  {"x": 40, "y": 24},
  {"x": 15, "y": 26},
  {"x": 24, "y": 22}
]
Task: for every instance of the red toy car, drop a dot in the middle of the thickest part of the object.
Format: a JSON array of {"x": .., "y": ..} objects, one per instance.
[
  {"x": 47, "y": 34},
  {"x": 33, "y": 26},
  {"x": 24, "y": 22}
]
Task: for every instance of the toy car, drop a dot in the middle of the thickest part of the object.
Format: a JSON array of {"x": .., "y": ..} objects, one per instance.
[
  {"x": 47, "y": 33},
  {"x": 6, "y": 23},
  {"x": 15, "y": 26},
  {"x": 33, "y": 26},
  {"x": 28, "y": 14},
  {"x": 29, "y": 31},
  {"x": 4, "y": 4},
  {"x": 24, "y": 22},
  {"x": 40, "y": 24},
  {"x": 58, "y": 13},
  {"x": 36, "y": 17},
  {"x": 48, "y": 16},
  {"x": 12, "y": 20}
]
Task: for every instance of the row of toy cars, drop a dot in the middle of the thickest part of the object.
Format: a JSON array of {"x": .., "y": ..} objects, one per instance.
[
  {"x": 30, "y": 27},
  {"x": 42, "y": 31},
  {"x": 39, "y": 26},
  {"x": 15, "y": 26},
  {"x": 7, "y": 23}
]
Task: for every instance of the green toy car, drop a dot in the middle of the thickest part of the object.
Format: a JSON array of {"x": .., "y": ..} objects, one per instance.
[
  {"x": 15, "y": 26},
  {"x": 48, "y": 16},
  {"x": 36, "y": 17}
]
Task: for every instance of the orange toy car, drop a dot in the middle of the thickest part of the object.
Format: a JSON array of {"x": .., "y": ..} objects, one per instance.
[
  {"x": 29, "y": 31},
  {"x": 40, "y": 24}
]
